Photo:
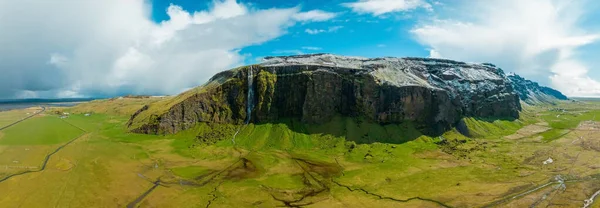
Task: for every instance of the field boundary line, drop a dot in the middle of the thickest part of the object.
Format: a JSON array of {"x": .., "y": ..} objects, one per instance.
[
  {"x": 23, "y": 119},
  {"x": 47, "y": 158}
]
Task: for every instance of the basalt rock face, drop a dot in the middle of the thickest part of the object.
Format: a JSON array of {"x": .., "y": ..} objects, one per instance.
[
  {"x": 532, "y": 93},
  {"x": 434, "y": 94}
]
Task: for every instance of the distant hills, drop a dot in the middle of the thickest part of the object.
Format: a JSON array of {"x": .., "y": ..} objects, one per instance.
[{"x": 44, "y": 100}]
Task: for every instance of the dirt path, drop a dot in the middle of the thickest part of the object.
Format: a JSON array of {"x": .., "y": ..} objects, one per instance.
[
  {"x": 23, "y": 119},
  {"x": 590, "y": 201},
  {"x": 134, "y": 203}
]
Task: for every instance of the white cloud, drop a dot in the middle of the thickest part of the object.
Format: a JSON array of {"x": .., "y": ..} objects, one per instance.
[
  {"x": 314, "y": 31},
  {"x": 57, "y": 59},
  {"x": 295, "y": 51},
  {"x": 112, "y": 47},
  {"x": 434, "y": 54},
  {"x": 311, "y": 48},
  {"x": 537, "y": 39},
  {"x": 288, "y": 52},
  {"x": 328, "y": 30},
  {"x": 379, "y": 7},
  {"x": 314, "y": 16}
]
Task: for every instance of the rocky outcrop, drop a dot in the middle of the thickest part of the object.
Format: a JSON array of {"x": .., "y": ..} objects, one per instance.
[
  {"x": 532, "y": 93},
  {"x": 432, "y": 93}
]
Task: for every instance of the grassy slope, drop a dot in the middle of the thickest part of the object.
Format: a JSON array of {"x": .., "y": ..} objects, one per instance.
[
  {"x": 163, "y": 106},
  {"x": 117, "y": 106},
  {"x": 453, "y": 169}
]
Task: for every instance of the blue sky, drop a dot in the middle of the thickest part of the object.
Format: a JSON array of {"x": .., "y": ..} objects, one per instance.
[
  {"x": 358, "y": 34},
  {"x": 162, "y": 47}
]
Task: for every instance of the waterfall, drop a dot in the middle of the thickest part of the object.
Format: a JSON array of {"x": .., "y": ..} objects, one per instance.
[
  {"x": 249, "y": 104},
  {"x": 250, "y": 101}
]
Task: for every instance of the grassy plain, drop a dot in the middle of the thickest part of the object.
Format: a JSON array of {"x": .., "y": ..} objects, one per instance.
[
  {"x": 344, "y": 163},
  {"x": 8, "y": 117}
]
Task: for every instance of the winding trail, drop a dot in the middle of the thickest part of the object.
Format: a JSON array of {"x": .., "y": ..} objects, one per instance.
[
  {"x": 390, "y": 198},
  {"x": 47, "y": 158},
  {"x": 214, "y": 195},
  {"x": 23, "y": 119},
  {"x": 588, "y": 202},
  {"x": 558, "y": 181},
  {"x": 158, "y": 182},
  {"x": 311, "y": 190}
]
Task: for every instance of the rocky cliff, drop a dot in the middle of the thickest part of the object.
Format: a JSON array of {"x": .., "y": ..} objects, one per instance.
[
  {"x": 532, "y": 93},
  {"x": 434, "y": 94}
]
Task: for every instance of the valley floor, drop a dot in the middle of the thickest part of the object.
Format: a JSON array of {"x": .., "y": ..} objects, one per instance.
[{"x": 548, "y": 158}]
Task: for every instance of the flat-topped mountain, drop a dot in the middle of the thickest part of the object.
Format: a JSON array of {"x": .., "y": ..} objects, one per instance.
[{"x": 434, "y": 94}]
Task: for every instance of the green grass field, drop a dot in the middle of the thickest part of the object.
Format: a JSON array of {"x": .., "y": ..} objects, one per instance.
[
  {"x": 47, "y": 130},
  {"x": 8, "y": 117},
  {"x": 343, "y": 163}
]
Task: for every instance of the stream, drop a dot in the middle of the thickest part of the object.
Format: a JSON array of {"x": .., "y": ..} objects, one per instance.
[{"x": 249, "y": 103}]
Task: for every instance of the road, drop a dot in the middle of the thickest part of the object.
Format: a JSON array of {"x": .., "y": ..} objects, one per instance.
[{"x": 19, "y": 121}]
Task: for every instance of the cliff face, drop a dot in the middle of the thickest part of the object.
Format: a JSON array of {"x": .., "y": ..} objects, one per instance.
[
  {"x": 432, "y": 93},
  {"x": 532, "y": 93}
]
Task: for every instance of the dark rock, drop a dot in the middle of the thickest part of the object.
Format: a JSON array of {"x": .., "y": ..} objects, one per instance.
[
  {"x": 432, "y": 93},
  {"x": 532, "y": 93}
]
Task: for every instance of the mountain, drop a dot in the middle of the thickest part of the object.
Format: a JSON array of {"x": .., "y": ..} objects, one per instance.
[
  {"x": 532, "y": 93},
  {"x": 433, "y": 94}
]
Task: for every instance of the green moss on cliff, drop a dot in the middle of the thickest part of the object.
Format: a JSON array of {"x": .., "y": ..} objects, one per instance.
[
  {"x": 265, "y": 90},
  {"x": 313, "y": 94}
]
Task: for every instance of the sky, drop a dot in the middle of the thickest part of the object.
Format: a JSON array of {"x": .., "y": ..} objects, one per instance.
[{"x": 107, "y": 48}]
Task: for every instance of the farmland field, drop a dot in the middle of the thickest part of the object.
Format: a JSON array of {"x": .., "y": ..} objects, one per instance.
[{"x": 547, "y": 157}]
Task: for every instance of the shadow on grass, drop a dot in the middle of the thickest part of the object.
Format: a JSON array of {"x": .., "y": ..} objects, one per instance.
[
  {"x": 353, "y": 129},
  {"x": 490, "y": 126},
  {"x": 358, "y": 130}
]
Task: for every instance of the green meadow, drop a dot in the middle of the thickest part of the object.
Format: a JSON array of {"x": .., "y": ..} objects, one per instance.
[
  {"x": 8, "y": 117},
  {"x": 92, "y": 161},
  {"x": 46, "y": 130}
]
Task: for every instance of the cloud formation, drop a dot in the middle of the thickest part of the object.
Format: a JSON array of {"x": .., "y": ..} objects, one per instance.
[
  {"x": 112, "y": 47},
  {"x": 380, "y": 7},
  {"x": 537, "y": 39},
  {"x": 314, "y": 16},
  {"x": 312, "y": 48},
  {"x": 328, "y": 30},
  {"x": 288, "y": 52}
]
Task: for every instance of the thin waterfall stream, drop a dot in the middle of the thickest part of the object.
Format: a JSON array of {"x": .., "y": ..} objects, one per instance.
[{"x": 249, "y": 103}]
